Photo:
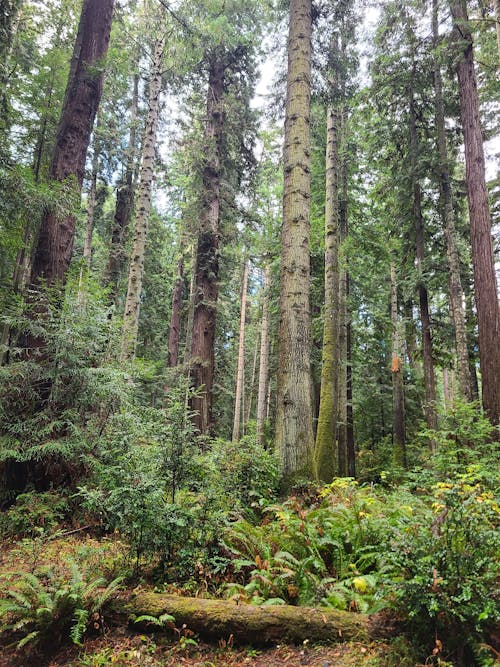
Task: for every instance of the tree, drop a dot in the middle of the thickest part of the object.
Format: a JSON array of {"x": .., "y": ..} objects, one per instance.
[
  {"x": 136, "y": 269},
  {"x": 294, "y": 432},
  {"x": 398, "y": 400},
  {"x": 485, "y": 285},
  {"x": 240, "y": 374},
  {"x": 457, "y": 310},
  {"x": 326, "y": 453},
  {"x": 55, "y": 240}
]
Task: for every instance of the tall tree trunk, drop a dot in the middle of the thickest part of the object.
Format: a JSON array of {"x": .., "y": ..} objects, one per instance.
[
  {"x": 136, "y": 269},
  {"x": 83, "y": 93},
  {"x": 294, "y": 430},
  {"x": 346, "y": 449},
  {"x": 206, "y": 273},
  {"x": 249, "y": 401},
  {"x": 240, "y": 373},
  {"x": 175, "y": 318},
  {"x": 398, "y": 401},
  {"x": 485, "y": 286},
  {"x": 455, "y": 284},
  {"x": 263, "y": 359},
  {"x": 124, "y": 204},
  {"x": 327, "y": 457},
  {"x": 429, "y": 378}
]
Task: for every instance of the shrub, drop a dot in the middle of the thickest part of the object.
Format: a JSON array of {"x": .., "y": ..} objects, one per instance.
[{"x": 49, "y": 610}]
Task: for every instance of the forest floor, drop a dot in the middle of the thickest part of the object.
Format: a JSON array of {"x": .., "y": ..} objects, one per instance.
[{"x": 124, "y": 648}]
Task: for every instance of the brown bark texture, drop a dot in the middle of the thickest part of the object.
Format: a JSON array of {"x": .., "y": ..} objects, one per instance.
[
  {"x": 256, "y": 625},
  {"x": 485, "y": 285},
  {"x": 206, "y": 287},
  {"x": 294, "y": 430},
  {"x": 83, "y": 93}
]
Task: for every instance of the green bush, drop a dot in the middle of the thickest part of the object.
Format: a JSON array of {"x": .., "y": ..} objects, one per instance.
[
  {"x": 34, "y": 513},
  {"x": 443, "y": 565},
  {"x": 49, "y": 610}
]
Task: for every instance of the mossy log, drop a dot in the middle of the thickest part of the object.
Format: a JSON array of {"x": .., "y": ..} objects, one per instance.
[{"x": 257, "y": 625}]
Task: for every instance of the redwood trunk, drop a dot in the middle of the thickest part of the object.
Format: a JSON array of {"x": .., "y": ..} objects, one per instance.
[
  {"x": 83, "y": 93},
  {"x": 485, "y": 286},
  {"x": 206, "y": 273}
]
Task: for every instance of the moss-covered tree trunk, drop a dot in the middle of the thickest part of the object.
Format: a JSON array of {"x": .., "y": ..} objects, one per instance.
[
  {"x": 326, "y": 454},
  {"x": 455, "y": 283},
  {"x": 136, "y": 269},
  {"x": 485, "y": 285},
  {"x": 294, "y": 430},
  {"x": 249, "y": 624}
]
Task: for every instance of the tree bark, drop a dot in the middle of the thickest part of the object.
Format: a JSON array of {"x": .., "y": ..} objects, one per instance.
[
  {"x": 263, "y": 359},
  {"x": 83, "y": 93},
  {"x": 294, "y": 430},
  {"x": 175, "y": 319},
  {"x": 240, "y": 373},
  {"x": 206, "y": 273},
  {"x": 327, "y": 457},
  {"x": 496, "y": 12},
  {"x": 250, "y": 624},
  {"x": 429, "y": 378},
  {"x": 398, "y": 400},
  {"x": 136, "y": 269},
  {"x": 485, "y": 285},
  {"x": 455, "y": 283},
  {"x": 124, "y": 204}
]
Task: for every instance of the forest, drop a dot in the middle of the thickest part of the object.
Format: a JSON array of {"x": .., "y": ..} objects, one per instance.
[{"x": 249, "y": 333}]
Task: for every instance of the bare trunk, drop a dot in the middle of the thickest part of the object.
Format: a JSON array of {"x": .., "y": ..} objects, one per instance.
[
  {"x": 486, "y": 292},
  {"x": 398, "y": 401},
  {"x": 136, "y": 269},
  {"x": 175, "y": 319},
  {"x": 124, "y": 204},
  {"x": 264, "y": 359},
  {"x": 326, "y": 455},
  {"x": 455, "y": 284},
  {"x": 429, "y": 379},
  {"x": 206, "y": 273},
  {"x": 240, "y": 373}
]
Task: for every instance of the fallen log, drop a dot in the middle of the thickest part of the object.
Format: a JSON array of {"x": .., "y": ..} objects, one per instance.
[{"x": 249, "y": 624}]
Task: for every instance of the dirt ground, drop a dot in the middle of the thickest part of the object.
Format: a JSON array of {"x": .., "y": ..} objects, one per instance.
[{"x": 121, "y": 649}]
